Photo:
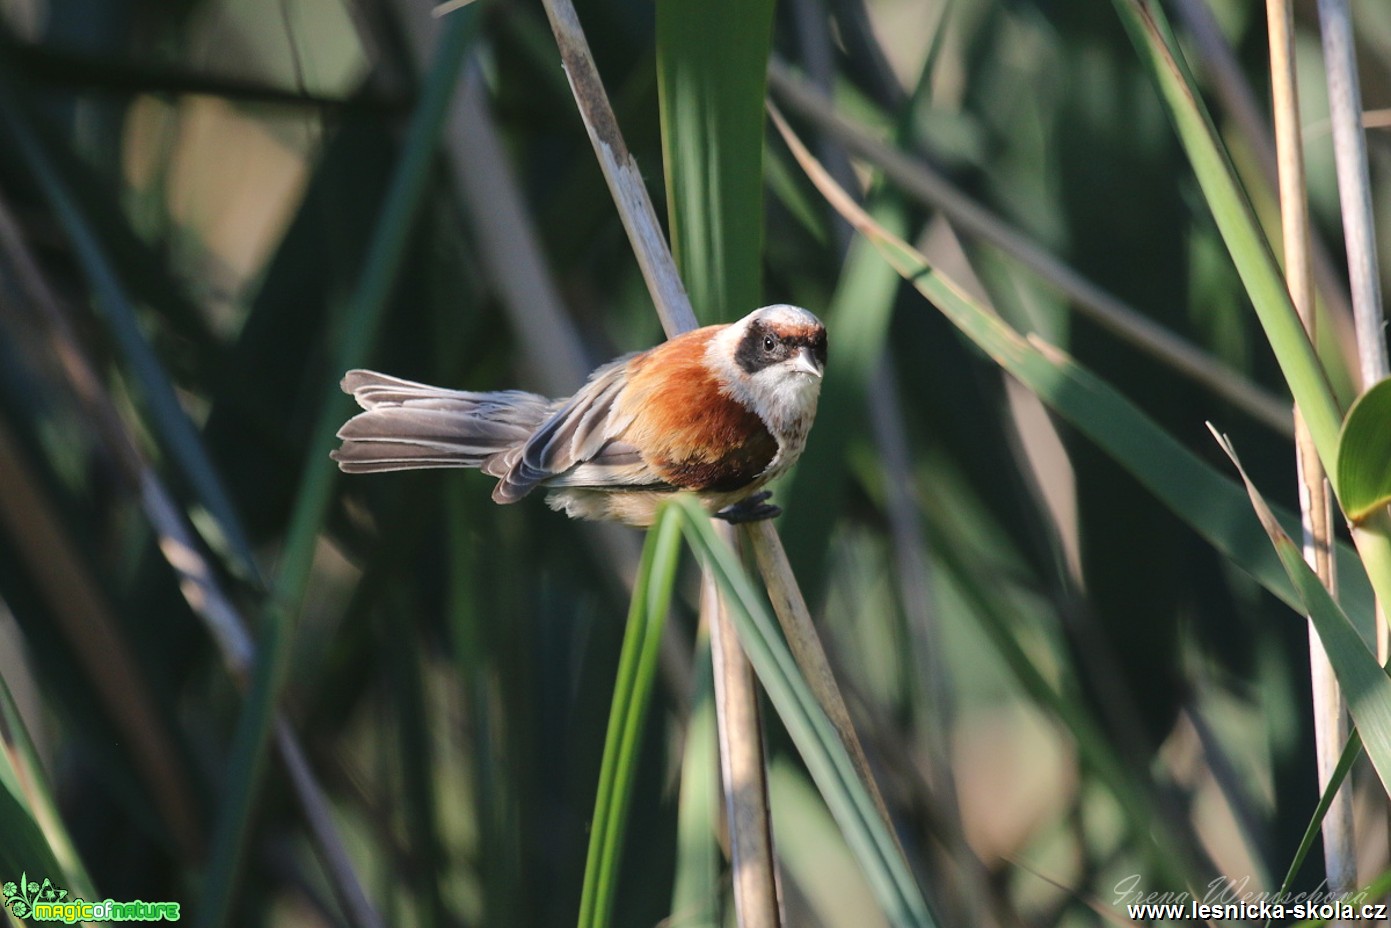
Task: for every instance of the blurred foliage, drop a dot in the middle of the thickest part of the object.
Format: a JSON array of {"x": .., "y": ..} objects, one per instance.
[{"x": 992, "y": 592}]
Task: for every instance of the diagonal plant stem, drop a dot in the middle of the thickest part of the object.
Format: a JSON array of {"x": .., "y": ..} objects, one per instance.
[
  {"x": 324, "y": 830},
  {"x": 1330, "y": 720},
  {"x": 621, "y": 172}
]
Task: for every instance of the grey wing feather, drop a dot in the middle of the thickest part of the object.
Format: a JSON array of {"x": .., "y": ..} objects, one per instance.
[
  {"x": 578, "y": 434},
  {"x": 617, "y": 464}
]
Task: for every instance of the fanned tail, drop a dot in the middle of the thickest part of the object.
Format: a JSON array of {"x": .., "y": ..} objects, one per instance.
[{"x": 406, "y": 425}]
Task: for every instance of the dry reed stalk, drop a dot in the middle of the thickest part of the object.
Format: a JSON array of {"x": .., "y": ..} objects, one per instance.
[
  {"x": 1330, "y": 718},
  {"x": 746, "y": 807}
]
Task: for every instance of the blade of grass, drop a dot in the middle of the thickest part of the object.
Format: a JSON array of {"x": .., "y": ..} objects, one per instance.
[
  {"x": 360, "y": 322},
  {"x": 1365, "y": 682},
  {"x": 712, "y": 61},
  {"x": 695, "y": 892},
  {"x": 1210, "y": 503},
  {"x": 22, "y": 778},
  {"x": 1351, "y": 752},
  {"x": 1250, "y": 252},
  {"x": 1244, "y": 111},
  {"x": 24, "y": 849},
  {"x": 811, "y": 730},
  {"x": 637, "y": 665}
]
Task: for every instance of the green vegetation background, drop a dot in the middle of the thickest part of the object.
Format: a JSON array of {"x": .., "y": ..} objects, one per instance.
[{"x": 204, "y": 196}]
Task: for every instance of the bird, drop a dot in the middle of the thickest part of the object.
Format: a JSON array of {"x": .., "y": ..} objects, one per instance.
[{"x": 717, "y": 411}]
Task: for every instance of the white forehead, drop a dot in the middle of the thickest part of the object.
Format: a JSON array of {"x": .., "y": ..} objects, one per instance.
[{"x": 783, "y": 315}]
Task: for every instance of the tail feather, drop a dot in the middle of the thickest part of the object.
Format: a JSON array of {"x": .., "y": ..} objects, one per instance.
[{"x": 406, "y": 425}]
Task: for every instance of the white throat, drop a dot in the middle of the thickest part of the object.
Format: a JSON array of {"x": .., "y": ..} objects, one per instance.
[{"x": 783, "y": 398}]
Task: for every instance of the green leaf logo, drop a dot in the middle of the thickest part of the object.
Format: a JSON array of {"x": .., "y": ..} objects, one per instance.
[{"x": 20, "y": 897}]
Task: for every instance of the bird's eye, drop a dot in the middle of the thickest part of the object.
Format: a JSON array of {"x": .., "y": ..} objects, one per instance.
[{"x": 769, "y": 342}]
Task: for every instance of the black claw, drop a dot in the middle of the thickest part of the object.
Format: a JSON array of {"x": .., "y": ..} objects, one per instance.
[{"x": 753, "y": 508}]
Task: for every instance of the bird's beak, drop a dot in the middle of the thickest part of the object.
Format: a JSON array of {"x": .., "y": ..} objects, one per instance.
[{"x": 805, "y": 362}]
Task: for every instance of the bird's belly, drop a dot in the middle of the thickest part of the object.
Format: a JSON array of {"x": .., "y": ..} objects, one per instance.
[{"x": 636, "y": 507}]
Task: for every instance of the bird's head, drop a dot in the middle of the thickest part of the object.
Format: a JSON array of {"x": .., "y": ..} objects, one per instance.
[{"x": 772, "y": 361}]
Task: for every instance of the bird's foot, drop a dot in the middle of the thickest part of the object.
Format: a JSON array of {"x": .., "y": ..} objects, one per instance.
[{"x": 753, "y": 508}]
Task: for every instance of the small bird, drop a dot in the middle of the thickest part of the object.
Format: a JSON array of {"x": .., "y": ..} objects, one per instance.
[{"x": 717, "y": 411}]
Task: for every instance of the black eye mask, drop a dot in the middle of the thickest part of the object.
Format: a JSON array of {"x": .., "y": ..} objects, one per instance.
[{"x": 753, "y": 354}]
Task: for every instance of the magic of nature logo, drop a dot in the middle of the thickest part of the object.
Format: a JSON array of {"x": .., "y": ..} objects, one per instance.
[{"x": 47, "y": 902}]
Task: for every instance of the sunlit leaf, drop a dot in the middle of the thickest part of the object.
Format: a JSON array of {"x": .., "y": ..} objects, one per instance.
[
  {"x": 1363, "y": 476},
  {"x": 1366, "y": 686}
]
